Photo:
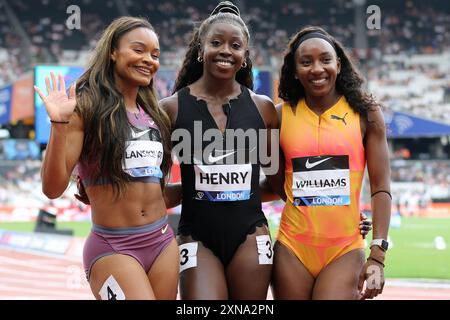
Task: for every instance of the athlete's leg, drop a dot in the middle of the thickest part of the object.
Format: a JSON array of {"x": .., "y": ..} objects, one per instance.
[
  {"x": 339, "y": 279},
  {"x": 290, "y": 278},
  {"x": 248, "y": 279},
  {"x": 127, "y": 271},
  {"x": 164, "y": 273},
  {"x": 206, "y": 281}
]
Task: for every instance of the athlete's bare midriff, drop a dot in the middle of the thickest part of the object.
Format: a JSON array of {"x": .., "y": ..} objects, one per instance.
[{"x": 141, "y": 204}]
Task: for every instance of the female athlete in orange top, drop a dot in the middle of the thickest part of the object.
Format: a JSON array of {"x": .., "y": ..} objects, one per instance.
[{"x": 329, "y": 127}]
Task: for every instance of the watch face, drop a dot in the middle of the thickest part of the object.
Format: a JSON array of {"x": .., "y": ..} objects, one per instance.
[{"x": 384, "y": 244}]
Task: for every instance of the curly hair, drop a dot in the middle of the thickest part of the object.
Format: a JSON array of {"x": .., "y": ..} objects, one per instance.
[
  {"x": 102, "y": 109},
  {"x": 348, "y": 82},
  {"x": 191, "y": 69}
]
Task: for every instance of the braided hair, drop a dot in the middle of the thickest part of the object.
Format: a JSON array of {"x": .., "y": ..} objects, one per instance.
[{"x": 192, "y": 69}]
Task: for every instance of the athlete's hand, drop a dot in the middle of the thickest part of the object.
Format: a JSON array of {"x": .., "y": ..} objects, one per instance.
[
  {"x": 59, "y": 106},
  {"x": 372, "y": 274},
  {"x": 365, "y": 225},
  {"x": 81, "y": 195}
]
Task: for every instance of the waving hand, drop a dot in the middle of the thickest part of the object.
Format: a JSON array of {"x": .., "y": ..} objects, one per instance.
[{"x": 59, "y": 106}]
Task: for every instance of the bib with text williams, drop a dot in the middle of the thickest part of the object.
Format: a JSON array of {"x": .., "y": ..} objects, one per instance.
[{"x": 321, "y": 181}]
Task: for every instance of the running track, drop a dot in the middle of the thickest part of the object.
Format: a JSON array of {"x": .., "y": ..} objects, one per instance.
[{"x": 29, "y": 276}]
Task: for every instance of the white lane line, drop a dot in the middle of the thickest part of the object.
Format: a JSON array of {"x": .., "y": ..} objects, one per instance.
[
  {"x": 46, "y": 284},
  {"x": 39, "y": 266},
  {"x": 53, "y": 294},
  {"x": 444, "y": 284},
  {"x": 8, "y": 272}
]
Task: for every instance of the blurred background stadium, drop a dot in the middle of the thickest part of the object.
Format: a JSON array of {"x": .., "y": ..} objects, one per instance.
[{"x": 406, "y": 60}]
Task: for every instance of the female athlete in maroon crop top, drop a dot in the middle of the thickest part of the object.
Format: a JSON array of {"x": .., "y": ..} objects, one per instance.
[{"x": 121, "y": 139}]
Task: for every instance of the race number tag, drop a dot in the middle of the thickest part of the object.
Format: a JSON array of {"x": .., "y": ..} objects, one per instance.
[
  {"x": 321, "y": 181},
  {"x": 111, "y": 290},
  {"x": 265, "y": 250},
  {"x": 188, "y": 255}
]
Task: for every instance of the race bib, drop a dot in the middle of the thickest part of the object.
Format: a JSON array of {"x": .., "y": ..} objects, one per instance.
[
  {"x": 321, "y": 181},
  {"x": 143, "y": 158},
  {"x": 188, "y": 255},
  {"x": 223, "y": 182},
  {"x": 265, "y": 249}
]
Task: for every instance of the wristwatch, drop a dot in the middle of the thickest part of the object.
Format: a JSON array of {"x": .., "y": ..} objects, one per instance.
[{"x": 383, "y": 244}]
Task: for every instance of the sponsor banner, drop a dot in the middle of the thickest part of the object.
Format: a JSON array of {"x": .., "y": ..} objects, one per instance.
[
  {"x": 5, "y": 104},
  {"x": 20, "y": 149},
  {"x": 48, "y": 243},
  {"x": 22, "y": 99}
]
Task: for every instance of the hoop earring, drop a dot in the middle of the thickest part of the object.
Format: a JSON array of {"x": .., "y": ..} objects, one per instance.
[
  {"x": 244, "y": 65},
  {"x": 200, "y": 59}
]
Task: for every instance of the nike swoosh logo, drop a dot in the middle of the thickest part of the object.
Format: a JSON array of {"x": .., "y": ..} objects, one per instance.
[
  {"x": 213, "y": 159},
  {"x": 310, "y": 165},
  {"x": 163, "y": 230},
  {"x": 139, "y": 134}
]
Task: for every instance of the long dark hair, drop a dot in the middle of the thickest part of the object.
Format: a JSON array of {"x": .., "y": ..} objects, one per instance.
[
  {"x": 191, "y": 69},
  {"x": 348, "y": 82},
  {"x": 102, "y": 109}
]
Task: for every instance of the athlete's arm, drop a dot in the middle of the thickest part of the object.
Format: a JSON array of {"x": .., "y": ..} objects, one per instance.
[
  {"x": 377, "y": 156},
  {"x": 276, "y": 181},
  {"x": 66, "y": 137},
  {"x": 170, "y": 106},
  {"x": 268, "y": 113},
  {"x": 172, "y": 194},
  {"x": 172, "y": 191}
]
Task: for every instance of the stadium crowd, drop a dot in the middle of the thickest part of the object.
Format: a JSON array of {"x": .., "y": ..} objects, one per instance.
[{"x": 407, "y": 65}]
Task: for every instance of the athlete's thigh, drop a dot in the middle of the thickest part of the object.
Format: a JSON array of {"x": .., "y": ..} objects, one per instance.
[
  {"x": 339, "y": 279},
  {"x": 248, "y": 274},
  {"x": 206, "y": 279},
  {"x": 164, "y": 273},
  {"x": 290, "y": 278},
  {"x": 131, "y": 278}
]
